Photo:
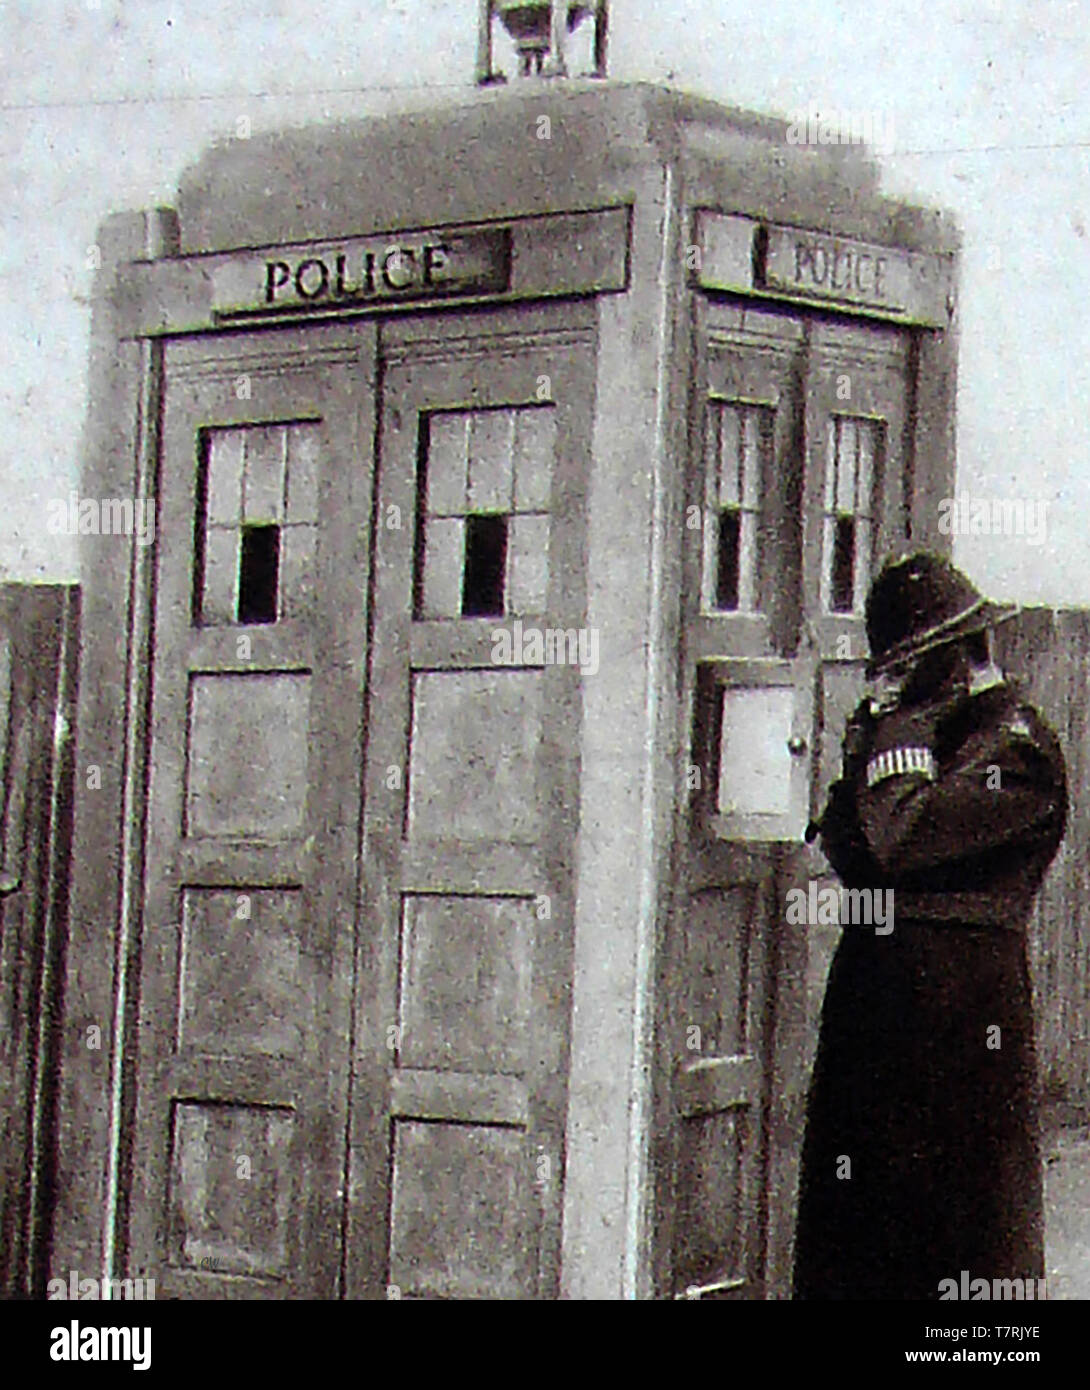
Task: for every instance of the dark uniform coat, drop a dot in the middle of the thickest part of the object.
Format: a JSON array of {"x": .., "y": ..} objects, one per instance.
[{"x": 925, "y": 1077}]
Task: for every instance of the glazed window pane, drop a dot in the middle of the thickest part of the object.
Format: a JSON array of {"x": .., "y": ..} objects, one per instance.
[
  {"x": 483, "y": 534},
  {"x": 854, "y": 452},
  {"x": 256, "y": 523},
  {"x": 738, "y": 451}
]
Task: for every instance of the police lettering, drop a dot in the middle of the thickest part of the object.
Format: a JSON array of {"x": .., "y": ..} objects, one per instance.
[
  {"x": 339, "y": 277},
  {"x": 834, "y": 268}
]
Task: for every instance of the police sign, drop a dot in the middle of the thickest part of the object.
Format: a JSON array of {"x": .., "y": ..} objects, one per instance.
[
  {"x": 826, "y": 267},
  {"x": 359, "y": 271},
  {"x": 741, "y": 255}
]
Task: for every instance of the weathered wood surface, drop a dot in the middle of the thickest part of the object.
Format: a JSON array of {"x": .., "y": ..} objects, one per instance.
[
  {"x": 37, "y": 667},
  {"x": 1049, "y": 650}
]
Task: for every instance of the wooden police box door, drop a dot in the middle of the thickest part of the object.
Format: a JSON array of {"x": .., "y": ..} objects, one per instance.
[
  {"x": 798, "y": 443},
  {"x": 461, "y": 1060},
  {"x": 260, "y": 630},
  {"x": 751, "y": 687}
]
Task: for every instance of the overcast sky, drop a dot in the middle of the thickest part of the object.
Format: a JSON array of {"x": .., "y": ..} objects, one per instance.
[{"x": 106, "y": 101}]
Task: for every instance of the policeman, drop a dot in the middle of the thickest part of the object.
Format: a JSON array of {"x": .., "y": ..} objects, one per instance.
[{"x": 921, "y": 1154}]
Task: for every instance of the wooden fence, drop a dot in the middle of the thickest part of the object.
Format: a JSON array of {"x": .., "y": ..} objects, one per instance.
[
  {"x": 38, "y": 651},
  {"x": 1049, "y": 650}
]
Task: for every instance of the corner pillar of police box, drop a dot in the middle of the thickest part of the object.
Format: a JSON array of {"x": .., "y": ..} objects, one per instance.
[
  {"x": 770, "y": 671},
  {"x": 627, "y": 755}
]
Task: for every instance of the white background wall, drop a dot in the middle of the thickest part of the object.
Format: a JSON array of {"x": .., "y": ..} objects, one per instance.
[{"x": 105, "y": 101}]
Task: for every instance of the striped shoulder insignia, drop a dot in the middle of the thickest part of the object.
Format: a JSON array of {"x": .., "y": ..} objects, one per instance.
[{"x": 899, "y": 762}]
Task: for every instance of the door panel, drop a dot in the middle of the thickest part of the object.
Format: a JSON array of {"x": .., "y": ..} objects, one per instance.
[
  {"x": 761, "y": 718},
  {"x": 461, "y": 1055},
  {"x": 257, "y": 696},
  {"x": 857, "y": 490},
  {"x": 723, "y": 958},
  {"x": 720, "y": 1038}
]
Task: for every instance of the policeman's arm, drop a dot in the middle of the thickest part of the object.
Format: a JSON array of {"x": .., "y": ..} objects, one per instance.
[
  {"x": 842, "y": 841},
  {"x": 1009, "y": 792}
]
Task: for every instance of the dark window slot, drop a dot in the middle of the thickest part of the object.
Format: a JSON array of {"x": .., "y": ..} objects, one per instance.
[
  {"x": 420, "y": 540},
  {"x": 259, "y": 574},
  {"x": 727, "y": 576},
  {"x": 842, "y": 587},
  {"x": 200, "y": 529},
  {"x": 485, "y": 562}
]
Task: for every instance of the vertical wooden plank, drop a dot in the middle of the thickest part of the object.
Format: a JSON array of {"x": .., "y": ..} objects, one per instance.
[
  {"x": 37, "y": 623},
  {"x": 1071, "y": 1064},
  {"x": 21, "y": 911},
  {"x": 13, "y": 1057},
  {"x": 932, "y": 432},
  {"x": 1050, "y": 653},
  {"x": 628, "y": 791},
  {"x": 59, "y": 729}
]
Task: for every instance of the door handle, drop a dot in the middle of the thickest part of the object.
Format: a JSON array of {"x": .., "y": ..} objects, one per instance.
[{"x": 796, "y": 746}]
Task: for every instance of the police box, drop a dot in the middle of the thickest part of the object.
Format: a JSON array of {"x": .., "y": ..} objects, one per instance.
[{"x": 519, "y": 467}]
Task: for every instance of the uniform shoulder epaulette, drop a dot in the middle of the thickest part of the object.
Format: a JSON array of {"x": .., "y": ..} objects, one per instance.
[{"x": 899, "y": 762}]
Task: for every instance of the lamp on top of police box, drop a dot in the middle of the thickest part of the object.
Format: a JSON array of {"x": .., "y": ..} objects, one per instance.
[{"x": 539, "y": 29}]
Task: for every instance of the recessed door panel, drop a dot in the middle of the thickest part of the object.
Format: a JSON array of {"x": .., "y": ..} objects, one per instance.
[{"x": 762, "y": 719}]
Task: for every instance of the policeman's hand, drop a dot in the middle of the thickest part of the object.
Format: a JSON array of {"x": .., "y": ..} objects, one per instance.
[{"x": 842, "y": 841}]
